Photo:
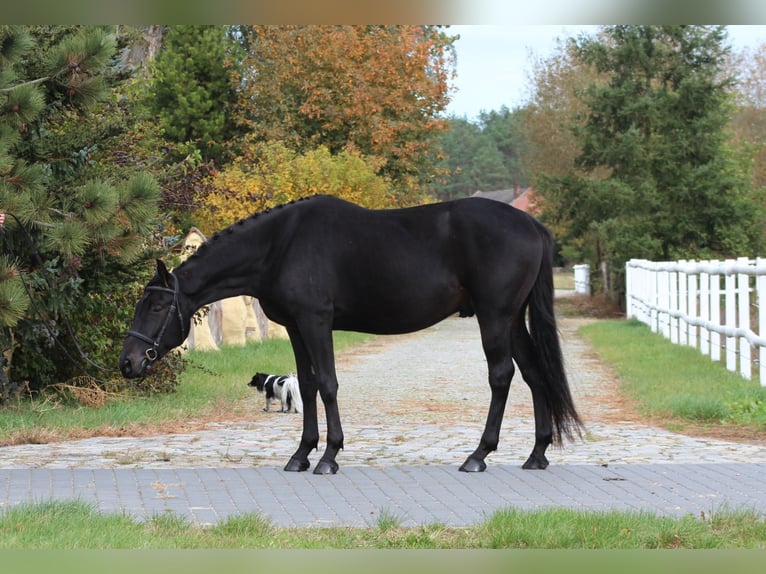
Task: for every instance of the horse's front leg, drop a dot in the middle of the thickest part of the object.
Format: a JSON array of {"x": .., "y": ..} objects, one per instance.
[
  {"x": 308, "y": 389},
  {"x": 320, "y": 346},
  {"x": 316, "y": 342}
]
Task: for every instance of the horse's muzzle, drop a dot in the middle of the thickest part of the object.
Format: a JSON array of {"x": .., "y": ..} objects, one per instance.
[{"x": 132, "y": 369}]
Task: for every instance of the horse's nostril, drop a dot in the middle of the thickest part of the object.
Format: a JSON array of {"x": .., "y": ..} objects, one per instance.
[{"x": 126, "y": 368}]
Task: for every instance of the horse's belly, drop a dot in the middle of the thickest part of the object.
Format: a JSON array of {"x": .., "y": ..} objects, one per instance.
[{"x": 386, "y": 313}]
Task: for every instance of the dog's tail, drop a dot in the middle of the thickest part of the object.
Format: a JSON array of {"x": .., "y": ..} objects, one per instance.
[{"x": 295, "y": 392}]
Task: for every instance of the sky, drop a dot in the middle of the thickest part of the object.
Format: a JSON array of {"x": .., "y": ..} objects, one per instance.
[{"x": 494, "y": 62}]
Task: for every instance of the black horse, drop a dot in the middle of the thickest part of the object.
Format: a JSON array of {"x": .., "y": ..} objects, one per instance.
[{"x": 321, "y": 264}]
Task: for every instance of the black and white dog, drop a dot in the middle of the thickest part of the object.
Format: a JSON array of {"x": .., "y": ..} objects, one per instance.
[{"x": 282, "y": 387}]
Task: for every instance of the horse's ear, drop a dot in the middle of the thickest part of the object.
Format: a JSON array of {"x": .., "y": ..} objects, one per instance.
[{"x": 163, "y": 273}]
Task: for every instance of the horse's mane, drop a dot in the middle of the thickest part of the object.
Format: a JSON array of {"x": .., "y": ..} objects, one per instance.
[{"x": 242, "y": 224}]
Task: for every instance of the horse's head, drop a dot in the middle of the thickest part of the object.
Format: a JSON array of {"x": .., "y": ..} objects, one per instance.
[{"x": 159, "y": 324}]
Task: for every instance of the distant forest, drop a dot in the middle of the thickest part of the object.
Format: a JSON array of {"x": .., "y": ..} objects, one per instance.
[{"x": 482, "y": 155}]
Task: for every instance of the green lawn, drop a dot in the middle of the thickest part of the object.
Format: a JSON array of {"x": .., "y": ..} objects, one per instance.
[
  {"x": 75, "y": 525},
  {"x": 213, "y": 386},
  {"x": 676, "y": 382}
]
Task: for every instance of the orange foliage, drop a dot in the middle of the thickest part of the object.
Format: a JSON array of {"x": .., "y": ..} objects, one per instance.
[{"x": 376, "y": 90}]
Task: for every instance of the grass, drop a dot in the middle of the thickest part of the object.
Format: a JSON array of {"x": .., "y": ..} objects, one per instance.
[
  {"x": 75, "y": 525},
  {"x": 676, "y": 382},
  {"x": 563, "y": 279},
  {"x": 212, "y": 388}
]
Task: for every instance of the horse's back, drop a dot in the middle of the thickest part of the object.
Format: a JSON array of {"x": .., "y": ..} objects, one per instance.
[{"x": 342, "y": 218}]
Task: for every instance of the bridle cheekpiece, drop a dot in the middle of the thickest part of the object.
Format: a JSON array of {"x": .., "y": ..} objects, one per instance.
[{"x": 151, "y": 353}]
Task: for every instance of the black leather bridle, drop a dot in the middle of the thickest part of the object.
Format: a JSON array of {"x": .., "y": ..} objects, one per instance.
[{"x": 151, "y": 353}]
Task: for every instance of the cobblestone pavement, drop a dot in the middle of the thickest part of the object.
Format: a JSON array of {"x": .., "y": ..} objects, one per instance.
[
  {"x": 412, "y": 399},
  {"x": 413, "y": 408}
]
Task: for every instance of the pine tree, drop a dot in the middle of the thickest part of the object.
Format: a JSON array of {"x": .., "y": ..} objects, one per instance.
[
  {"x": 193, "y": 87},
  {"x": 64, "y": 231},
  {"x": 657, "y": 127}
]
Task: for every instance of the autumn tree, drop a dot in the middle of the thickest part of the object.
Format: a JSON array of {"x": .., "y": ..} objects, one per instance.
[
  {"x": 555, "y": 112},
  {"x": 373, "y": 90}
]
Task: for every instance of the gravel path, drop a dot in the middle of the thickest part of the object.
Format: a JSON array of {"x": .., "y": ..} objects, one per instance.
[{"x": 418, "y": 398}]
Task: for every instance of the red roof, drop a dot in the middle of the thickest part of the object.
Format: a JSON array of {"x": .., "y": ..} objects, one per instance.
[{"x": 527, "y": 201}]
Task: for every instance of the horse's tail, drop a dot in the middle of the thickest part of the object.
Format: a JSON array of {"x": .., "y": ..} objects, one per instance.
[{"x": 545, "y": 336}]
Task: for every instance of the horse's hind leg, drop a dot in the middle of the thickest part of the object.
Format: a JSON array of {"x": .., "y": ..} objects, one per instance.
[
  {"x": 496, "y": 341},
  {"x": 523, "y": 352}
]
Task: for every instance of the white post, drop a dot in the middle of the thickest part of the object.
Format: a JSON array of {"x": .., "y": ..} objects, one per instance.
[
  {"x": 715, "y": 316},
  {"x": 731, "y": 317},
  {"x": 682, "y": 305},
  {"x": 692, "y": 306},
  {"x": 663, "y": 303},
  {"x": 743, "y": 305},
  {"x": 704, "y": 311},
  {"x": 653, "y": 278},
  {"x": 582, "y": 278},
  {"x": 632, "y": 275},
  {"x": 673, "y": 307},
  {"x": 760, "y": 286}
]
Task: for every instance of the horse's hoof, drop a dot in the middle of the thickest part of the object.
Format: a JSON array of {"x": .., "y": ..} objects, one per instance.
[
  {"x": 535, "y": 463},
  {"x": 326, "y": 467},
  {"x": 297, "y": 465},
  {"x": 473, "y": 465}
]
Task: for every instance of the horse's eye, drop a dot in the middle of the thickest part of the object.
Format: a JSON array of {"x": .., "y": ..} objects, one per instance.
[{"x": 157, "y": 307}]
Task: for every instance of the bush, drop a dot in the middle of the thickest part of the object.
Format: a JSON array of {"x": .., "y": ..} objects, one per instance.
[{"x": 267, "y": 175}]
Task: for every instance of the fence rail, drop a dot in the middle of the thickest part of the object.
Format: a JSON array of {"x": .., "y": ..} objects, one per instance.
[{"x": 709, "y": 305}]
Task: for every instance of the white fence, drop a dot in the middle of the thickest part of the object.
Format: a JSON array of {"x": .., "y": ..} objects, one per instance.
[{"x": 709, "y": 305}]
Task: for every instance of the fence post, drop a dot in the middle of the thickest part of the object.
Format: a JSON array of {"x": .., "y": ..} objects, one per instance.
[
  {"x": 715, "y": 316},
  {"x": 743, "y": 305},
  {"x": 730, "y": 300},
  {"x": 663, "y": 302},
  {"x": 704, "y": 310},
  {"x": 582, "y": 278},
  {"x": 692, "y": 306},
  {"x": 682, "y": 303},
  {"x": 652, "y": 278},
  {"x": 673, "y": 307},
  {"x": 760, "y": 287},
  {"x": 631, "y": 275}
]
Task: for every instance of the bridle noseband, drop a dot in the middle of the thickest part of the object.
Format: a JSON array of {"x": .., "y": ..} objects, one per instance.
[{"x": 151, "y": 353}]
